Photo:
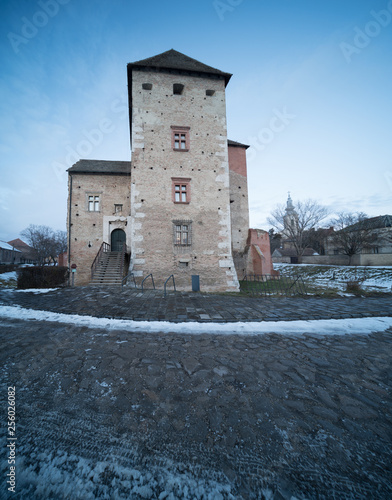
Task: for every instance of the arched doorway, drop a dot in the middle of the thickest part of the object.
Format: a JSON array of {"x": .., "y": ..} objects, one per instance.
[{"x": 117, "y": 239}]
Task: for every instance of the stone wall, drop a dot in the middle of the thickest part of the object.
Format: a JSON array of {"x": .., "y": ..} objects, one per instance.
[
  {"x": 204, "y": 167},
  {"x": 366, "y": 259},
  {"x": 90, "y": 228}
]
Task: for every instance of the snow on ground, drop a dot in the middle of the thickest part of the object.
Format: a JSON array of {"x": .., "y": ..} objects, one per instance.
[
  {"x": 30, "y": 290},
  {"x": 12, "y": 276},
  {"x": 371, "y": 278},
  {"x": 57, "y": 474},
  {"x": 318, "y": 327}
]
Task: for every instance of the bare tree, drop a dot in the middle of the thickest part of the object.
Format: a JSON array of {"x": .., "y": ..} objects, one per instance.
[
  {"x": 296, "y": 229},
  {"x": 352, "y": 233},
  {"x": 275, "y": 240},
  {"x": 46, "y": 243}
]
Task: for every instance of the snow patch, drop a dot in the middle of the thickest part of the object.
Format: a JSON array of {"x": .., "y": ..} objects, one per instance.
[{"x": 321, "y": 327}]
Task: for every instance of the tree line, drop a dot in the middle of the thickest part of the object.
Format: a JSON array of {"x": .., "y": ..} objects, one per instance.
[{"x": 347, "y": 231}]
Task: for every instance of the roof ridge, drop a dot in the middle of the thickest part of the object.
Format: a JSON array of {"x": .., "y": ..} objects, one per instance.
[{"x": 175, "y": 60}]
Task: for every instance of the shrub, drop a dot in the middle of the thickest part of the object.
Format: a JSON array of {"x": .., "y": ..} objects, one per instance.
[
  {"x": 6, "y": 268},
  {"x": 353, "y": 286},
  {"x": 42, "y": 277}
]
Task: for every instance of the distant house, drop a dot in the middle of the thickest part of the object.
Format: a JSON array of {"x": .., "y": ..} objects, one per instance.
[
  {"x": 28, "y": 254},
  {"x": 9, "y": 254},
  {"x": 378, "y": 251},
  {"x": 289, "y": 255}
]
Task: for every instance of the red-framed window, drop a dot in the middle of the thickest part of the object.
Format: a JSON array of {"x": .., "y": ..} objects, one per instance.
[
  {"x": 181, "y": 190},
  {"x": 180, "y": 138}
]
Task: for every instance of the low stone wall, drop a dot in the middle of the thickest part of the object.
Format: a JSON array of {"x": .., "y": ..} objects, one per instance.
[
  {"x": 373, "y": 259},
  {"x": 329, "y": 260},
  {"x": 365, "y": 259}
]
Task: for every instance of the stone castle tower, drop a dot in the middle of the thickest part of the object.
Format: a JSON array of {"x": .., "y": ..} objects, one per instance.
[
  {"x": 180, "y": 189},
  {"x": 181, "y": 206}
]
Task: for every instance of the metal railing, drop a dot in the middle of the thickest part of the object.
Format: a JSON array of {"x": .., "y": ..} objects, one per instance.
[
  {"x": 122, "y": 257},
  {"x": 151, "y": 279},
  {"x": 126, "y": 277},
  {"x": 104, "y": 248},
  {"x": 269, "y": 285},
  {"x": 174, "y": 285}
]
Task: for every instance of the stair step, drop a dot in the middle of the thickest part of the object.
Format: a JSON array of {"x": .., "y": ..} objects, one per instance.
[{"x": 108, "y": 270}]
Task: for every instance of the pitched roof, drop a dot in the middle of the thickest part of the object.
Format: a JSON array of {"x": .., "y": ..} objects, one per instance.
[
  {"x": 103, "y": 167},
  {"x": 7, "y": 246},
  {"x": 27, "y": 251},
  {"x": 19, "y": 244},
  {"x": 380, "y": 222},
  {"x": 291, "y": 252},
  {"x": 237, "y": 144},
  {"x": 174, "y": 60}
]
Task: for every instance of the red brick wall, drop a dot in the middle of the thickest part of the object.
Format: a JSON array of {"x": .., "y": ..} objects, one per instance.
[{"x": 237, "y": 160}]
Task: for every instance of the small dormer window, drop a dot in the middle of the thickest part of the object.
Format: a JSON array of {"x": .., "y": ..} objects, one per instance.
[
  {"x": 178, "y": 88},
  {"x": 210, "y": 92}
]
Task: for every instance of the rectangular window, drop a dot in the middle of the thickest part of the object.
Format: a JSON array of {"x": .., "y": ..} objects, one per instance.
[
  {"x": 181, "y": 190},
  {"x": 179, "y": 141},
  {"x": 180, "y": 193},
  {"x": 180, "y": 138},
  {"x": 118, "y": 208},
  {"x": 182, "y": 233},
  {"x": 93, "y": 203}
]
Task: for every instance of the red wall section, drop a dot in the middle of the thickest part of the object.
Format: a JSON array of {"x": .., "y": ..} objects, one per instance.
[
  {"x": 258, "y": 264},
  {"x": 237, "y": 160}
]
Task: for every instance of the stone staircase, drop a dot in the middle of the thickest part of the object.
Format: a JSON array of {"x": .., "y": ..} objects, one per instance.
[{"x": 109, "y": 270}]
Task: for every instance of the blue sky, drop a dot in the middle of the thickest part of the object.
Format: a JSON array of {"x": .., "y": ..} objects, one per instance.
[{"x": 310, "y": 92}]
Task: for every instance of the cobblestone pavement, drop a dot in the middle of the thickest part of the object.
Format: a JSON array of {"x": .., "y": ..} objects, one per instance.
[
  {"x": 179, "y": 307},
  {"x": 119, "y": 414}
]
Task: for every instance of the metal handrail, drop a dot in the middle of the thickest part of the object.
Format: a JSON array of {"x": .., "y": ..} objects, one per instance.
[
  {"x": 122, "y": 257},
  {"x": 126, "y": 277},
  {"x": 151, "y": 279},
  {"x": 174, "y": 284},
  {"x": 105, "y": 247}
]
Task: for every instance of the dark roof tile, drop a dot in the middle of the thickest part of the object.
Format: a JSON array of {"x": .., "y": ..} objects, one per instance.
[
  {"x": 380, "y": 222},
  {"x": 237, "y": 144},
  {"x": 101, "y": 167},
  {"x": 171, "y": 59}
]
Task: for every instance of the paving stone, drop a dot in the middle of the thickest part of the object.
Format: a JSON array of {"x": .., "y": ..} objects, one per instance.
[{"x": 303, "y": 417}]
